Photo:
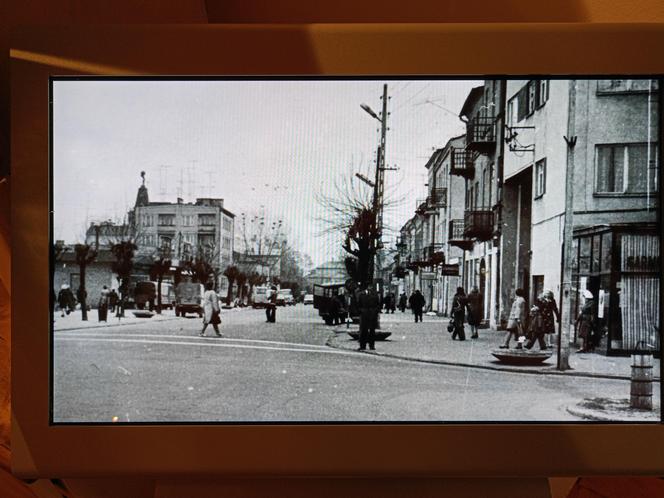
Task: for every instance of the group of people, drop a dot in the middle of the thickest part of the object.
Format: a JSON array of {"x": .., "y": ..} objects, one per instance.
[
  {"x": 539, "y": 323},
  {"x": 108, "y": 300},
  {"x": 465, "y": 308}
]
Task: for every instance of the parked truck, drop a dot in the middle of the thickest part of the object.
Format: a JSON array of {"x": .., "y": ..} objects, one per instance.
[{"x": 189, "y": 298}]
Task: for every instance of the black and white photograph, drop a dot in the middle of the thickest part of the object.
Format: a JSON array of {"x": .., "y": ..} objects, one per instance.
[{"x": 353, "y": 250}]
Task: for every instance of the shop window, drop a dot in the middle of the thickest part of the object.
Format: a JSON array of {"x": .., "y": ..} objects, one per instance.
[
  {"x": 540, "y": 178},
  {"x": 606, "y": 252},
  {"x": 595, "y": 266},
  {"x": 575, "y": 255},
  {"x": 626, "y": 168},
  {"x": 584, "y": 254}
]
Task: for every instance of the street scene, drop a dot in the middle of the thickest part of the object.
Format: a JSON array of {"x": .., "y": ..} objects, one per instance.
[{"x": 405, "y": 250}]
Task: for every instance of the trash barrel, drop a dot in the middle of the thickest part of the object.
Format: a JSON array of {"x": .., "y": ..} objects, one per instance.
[{"x": 642, "y": 372}]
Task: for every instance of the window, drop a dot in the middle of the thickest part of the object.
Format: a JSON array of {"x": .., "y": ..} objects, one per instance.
[
  {"x": 491, "y": 172},
  {"x": 187, "y": 220},
  {"x": 626, "y": 86},
  {"x": 542, "y": 92},
  {"x": 228, "y": 226},
  {"x": 532, "y": 96},
  {"x": 512, "y": 111},
  {"x": 626, "y": 168},
  {"x": 206, "y": 220},
  {"x": 206, "y": 241},
  {"x": 540, "y": 178},
  {"x": 166, "y": 220},
  {"x": 165, "y": 243},
  {"x": 227, "y": 243},
  {"x": 147, "y": 220}
]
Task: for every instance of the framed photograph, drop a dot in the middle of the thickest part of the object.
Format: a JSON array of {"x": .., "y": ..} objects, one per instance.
[{"x": 379, "y": 240}]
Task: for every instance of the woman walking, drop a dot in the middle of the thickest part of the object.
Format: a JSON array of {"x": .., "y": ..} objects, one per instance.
[
  {"x": 475, "y": 311},
  {"x": 516, "y": 320},
  {"x": 102, "y": 305},
  {"x": 549, "y": 310},
  {"x": 211, "y": 310},
  {"x": 585, "y": 323},
  {"x": 459, "y": 305},
  {"x": 536, "y": 325}
]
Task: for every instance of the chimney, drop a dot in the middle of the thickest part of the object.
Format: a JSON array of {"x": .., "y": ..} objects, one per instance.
[{"x": 180, "y": 201}]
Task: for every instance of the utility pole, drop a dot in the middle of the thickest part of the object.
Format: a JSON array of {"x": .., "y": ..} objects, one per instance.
[
  {"x": 379, "y": 188},
  {"x": 566, "y": 316}
]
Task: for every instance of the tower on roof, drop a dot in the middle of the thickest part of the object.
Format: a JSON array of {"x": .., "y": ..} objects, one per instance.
[{"x": 142, "y": 196}]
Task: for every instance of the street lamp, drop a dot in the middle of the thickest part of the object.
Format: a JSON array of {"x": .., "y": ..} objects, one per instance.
[
  {"x": 370, "y": 111},
  {"x": 365, "y": 180}
]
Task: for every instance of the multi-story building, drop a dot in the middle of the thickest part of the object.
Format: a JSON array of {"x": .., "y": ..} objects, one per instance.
[
  {"x": 605, "y": 133},
  {"x": 480, "y": 164},
  {"x": 184, "y": 230},
  {"x": 327, "y": 273}
]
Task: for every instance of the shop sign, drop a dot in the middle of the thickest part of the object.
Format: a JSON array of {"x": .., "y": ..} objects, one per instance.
[
  {"x": 450, "y": 270},
  {"x": 428, "y": 275}
]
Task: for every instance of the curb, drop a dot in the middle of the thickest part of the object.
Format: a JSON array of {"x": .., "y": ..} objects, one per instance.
[
  {"x": 111, "y": 325},
  {"x": 598, "y": 416},
  {"x": 566, "y": 373}
]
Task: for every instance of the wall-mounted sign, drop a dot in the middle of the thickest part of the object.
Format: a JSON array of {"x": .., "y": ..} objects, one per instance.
[
  {"x": 450, "y": 270},
  {"x": 428, "y": 275}
]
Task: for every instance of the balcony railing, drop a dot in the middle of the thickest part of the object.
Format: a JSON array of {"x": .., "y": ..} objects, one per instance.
[
  {"x": 421, "y": 207},
  {"x": 462, "y": 163},
  {"x": 481, "y": 134},
  {"x": 433, "y": 254},
  {"x": 478, "y": 224},
  {"x": 437, "y": 198},
  {"x": 457, "y": 235}
]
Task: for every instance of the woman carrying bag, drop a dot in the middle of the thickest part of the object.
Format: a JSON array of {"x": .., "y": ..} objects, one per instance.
[
  {"x": 211, "y": 310},
  {"x": 516, "y": 320}
]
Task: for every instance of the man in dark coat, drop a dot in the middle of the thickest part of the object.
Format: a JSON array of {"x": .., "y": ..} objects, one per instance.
[
  {"x": 403, "y": 302},
  {"x": 271, "y": 308},
  {"x": 369, "y": 306},
  {"x": 416, "y": 302}
]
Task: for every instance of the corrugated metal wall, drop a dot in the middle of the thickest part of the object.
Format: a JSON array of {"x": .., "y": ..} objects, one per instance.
[{"x": 640, "y": 290}]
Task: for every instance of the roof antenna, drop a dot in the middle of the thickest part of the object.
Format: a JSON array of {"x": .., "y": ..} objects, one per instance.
[{"x": 143, "y": 177}]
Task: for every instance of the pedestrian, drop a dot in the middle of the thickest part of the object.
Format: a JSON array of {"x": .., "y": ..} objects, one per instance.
[
  {"x": 417, "y": 302},
  {"x": 391, "y": 303},
  {"x": 585, "y": 323},
  {"x": 550, "y": 315},
  {"x": 112, "y": 300},
  {"x": 368, "y": 303},
  {"x": 403, "y": 302},
  {"x": 271, "y": 306},
  {"x": 82, "y": 296},
  {"x": 335, "y": 310},
  {"x": 211, "y": 310},
  {"x": 459, "y": 306},
  {"x": 102, "y": 305},
  {"x": 65, "y": 300},
  {"x": 536, "y": 325},
  {"x": 475, "y": 311},
  {"x": 516, "y": 320}
]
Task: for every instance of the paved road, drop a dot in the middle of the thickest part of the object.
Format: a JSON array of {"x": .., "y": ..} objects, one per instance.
[{"x": 153, "y": 372}]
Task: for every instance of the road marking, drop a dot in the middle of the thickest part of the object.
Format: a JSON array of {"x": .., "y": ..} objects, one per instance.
[
  {"x": 163, "y": 336},
  {"x": 218, "y": 345}
]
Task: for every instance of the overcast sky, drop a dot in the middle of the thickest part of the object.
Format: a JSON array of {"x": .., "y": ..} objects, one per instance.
[{"x": 257, "y": 144}]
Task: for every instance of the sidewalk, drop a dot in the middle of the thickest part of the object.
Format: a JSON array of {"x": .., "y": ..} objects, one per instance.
[
  {"x": 73, "y": 320},
  {"x": 430, "y": 342}
]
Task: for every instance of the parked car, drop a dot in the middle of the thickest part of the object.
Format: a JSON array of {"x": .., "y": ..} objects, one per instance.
[
  {"x": 285, "y": 297},
  {"x": 259, "y": 297},
  {"x": 145, "y": 293},
  {"x": 189, "y": 298},
  {"x": 308, "y": 299}
]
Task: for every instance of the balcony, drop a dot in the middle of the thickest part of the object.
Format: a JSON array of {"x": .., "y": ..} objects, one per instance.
[
  {"x": 478, "y": 224},
  {"x": 462, "y": 163},
  {"x": 437, "y": 198},
  {"x": 481, "y": 134},
  {"x": 433, "y": 254},
  {"x": 421, "y": 207},
  {"x": 457, "y": 235}
]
